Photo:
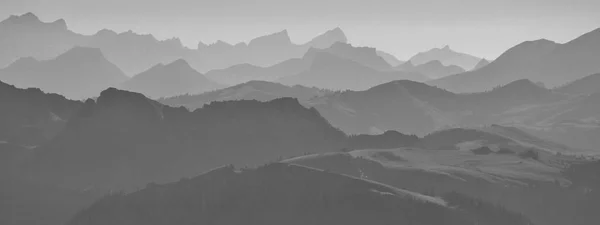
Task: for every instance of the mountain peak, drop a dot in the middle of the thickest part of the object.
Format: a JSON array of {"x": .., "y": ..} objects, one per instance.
[
  {"x": 106, "y": 32},
  {"x": 79, "y": 53},
  {"x": 279, "y": 38},
  {"x": 520, "y": 86},
  {"x": 328, "y": 38},
  {"x": 446, "y": 48},
  {"x": 436, "y": 63},
  {"x": 179, "y": 63},
  {"x": 61, "y": 23},
  {"x": 483, "y": 62},
  {"x": 23, "y": 19}
]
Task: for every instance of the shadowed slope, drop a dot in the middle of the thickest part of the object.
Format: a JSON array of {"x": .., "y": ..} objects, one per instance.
[{"x": 32, "y": 117}]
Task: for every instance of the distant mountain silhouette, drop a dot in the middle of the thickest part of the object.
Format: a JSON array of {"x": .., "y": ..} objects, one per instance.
[
  {"x": 446, "y": 56},
  {"x": 543, "y": 61},
  {"x": 416, "y": 108},
  {"x": 366, "y": 57},
  {"x": 433, "y": 69},
  {"x": 327, "y": 39},
  {"x": 264, "y": 51},
  {"x": 169, "y": 80},
  {"x": 79, "y": 73},
  {"x": 284, "y": 193},
  {"x": 584, "y": 86},
  {"x": 330, "y": 71},
  {"x": 481, "y": 64},
  {"x": 390, "y": 59},
  {"x": 246, "y": 72},
  {"x": 134, "y": 53},
  {"x": 27, "y": 36},
  {"x": 251, "y": 90}
]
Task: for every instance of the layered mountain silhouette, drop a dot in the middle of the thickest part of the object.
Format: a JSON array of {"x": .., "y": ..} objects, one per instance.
[
  {"x": 135, "y": 53},
  {"x": 246, "y": 72},
  {"x": 389, "y": 58},
  {"x": 280, "y": 193},
  {"x": 366, "y": 57},
  {"x": 169, "y": 80},
  {"x": 122, "y": 140},
  {"x": 584, "y": 86},
  {"x": 433, "y": 69},
  {"x": 416, "y": 108},
  {"x": 332, "y": 72},
  {"x": 481, "y": 64},
  {"x": 78, "y": 73},
  {"x": 542, "y": 60},
  {"x": 446, "y": 56},
  {"x": 27, "y": 36},
  {"x": 327, "y": 39},
  {"x": 265, "y": 51},
  {"x": 251, "y": 90}
]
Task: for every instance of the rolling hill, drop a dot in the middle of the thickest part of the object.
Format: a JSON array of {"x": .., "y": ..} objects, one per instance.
[
  {"x": 280, "y": 193},
  {"x": 251, "y": 90}
]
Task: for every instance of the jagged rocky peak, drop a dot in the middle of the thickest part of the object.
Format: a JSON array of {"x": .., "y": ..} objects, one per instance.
[
  {"x": 279, "y": 38},
  {"x": 31, "y": 20},
  {"x": 23, "y": 19}
]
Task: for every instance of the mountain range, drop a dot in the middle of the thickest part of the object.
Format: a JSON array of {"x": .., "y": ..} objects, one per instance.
[
  {"x": 416, "y": 108},
  {"x": 173, "y": 79},
  {"x": 545, "y": 61},
  {"x": 122, "y": 128},
  {"x": 124, "y": 140},
  {"x": 329, "y": 71},
  {"x": 79, "y": 73},
  {"x": 447, "y": 57},
  {"x": 27, "y": 36},
  {"x": 433, "y": 69},
  {"x": 251, "y": 90}
]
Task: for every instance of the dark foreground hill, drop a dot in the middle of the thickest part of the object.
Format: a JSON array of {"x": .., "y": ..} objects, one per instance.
[
  {"x": 282, "y": 194},
  {"x": 31, "y": 117},
  {"x": 123, "y": 140},
  {"x": 540, "y": 191}
]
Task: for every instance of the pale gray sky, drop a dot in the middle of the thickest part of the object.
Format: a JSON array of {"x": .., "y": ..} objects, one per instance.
[{"x": 479, "y": 27}]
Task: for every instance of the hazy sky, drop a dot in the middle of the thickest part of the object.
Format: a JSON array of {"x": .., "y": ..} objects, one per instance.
[{"x": 480, "y": 27}]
